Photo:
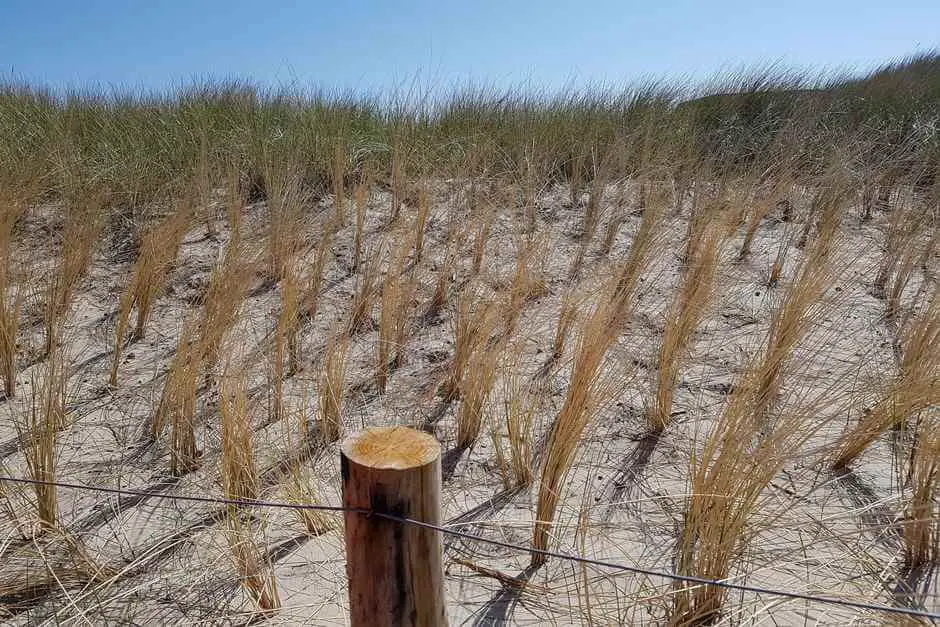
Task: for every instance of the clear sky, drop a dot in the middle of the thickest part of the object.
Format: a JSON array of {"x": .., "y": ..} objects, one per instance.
[{"x": 373, "y": 45}]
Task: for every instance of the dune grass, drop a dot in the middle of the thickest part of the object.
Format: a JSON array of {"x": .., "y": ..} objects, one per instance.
[
  {"x": 519, "y": 412},
  {"x": 512, "y": 245},
  {"x": 397, "y": 294},
  {"x": 45, "y": 416},
  {"x": 333, "y": 389},
  {"x": 738, "y": 460},
  {"x": 254, "y": 575},
  {"x": 914, "y": 387},
  {"x": 474, "y": 320},
  {"x": 158, "y": 250},
  {"x": 682, "y": 318},
  {"x": 11, "y": 299},
  {"x": 475, "y": 387},
  {"x": 921, "y": 530},
  {"x": 80, "y": 237},
  {"x": 239, "y": 472}
]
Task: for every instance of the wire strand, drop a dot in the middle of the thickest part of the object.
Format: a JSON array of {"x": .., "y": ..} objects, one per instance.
[{"x": 637, "y": 570}]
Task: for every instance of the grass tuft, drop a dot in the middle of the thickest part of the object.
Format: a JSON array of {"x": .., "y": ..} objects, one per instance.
[
  {"x": 682, "y": 319},
  {"x": 915, "y": 387},
  {"x": 333, "y": 388},
  {"x": 158, "y": 250},
  {"x": 44, "y": 418}
]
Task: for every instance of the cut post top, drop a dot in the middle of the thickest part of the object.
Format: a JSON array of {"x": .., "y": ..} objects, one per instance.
[{"x": 392, "y": 448}]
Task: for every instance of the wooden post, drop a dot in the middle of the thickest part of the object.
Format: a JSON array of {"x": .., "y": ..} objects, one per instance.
[{"x": 395, "y": 570}]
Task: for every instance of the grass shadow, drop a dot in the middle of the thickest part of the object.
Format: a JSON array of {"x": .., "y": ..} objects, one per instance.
[
  {"x": 436, "y": 414},
  {"x": 103, "y": 512},
  {"x": 631, "y": 468},
  {"x": 546, "y": 368},
  {"x": 873, "y": 513},
  {"x": 489, "y": 507},
  {"x": 500, "y": 607},
  {"x": 282, "y": 549},
  {"x": 30, "y": 595},
  {"x": 449, "y": 461},
  {"x": 912, "y": 586}
]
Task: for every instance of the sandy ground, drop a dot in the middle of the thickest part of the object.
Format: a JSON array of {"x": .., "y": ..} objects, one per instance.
[{"x": 623, "y": 501}]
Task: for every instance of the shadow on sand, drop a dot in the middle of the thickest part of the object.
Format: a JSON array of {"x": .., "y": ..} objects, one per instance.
[
  {"x": 632, "y": 467},
  {"x": 873, "y": 513},
  {"x": 500, "y": 607}
]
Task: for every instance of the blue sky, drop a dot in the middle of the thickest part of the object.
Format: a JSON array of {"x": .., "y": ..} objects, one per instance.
[{"x": 374, "y": 45}]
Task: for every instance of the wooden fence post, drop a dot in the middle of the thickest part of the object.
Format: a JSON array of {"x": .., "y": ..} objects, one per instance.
[{"x": 395, "y": 570}]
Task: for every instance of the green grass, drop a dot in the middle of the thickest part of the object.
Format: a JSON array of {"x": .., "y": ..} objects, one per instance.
[
  {"x": 142, "y": 146},
  {"x": 432, "y": 261}
]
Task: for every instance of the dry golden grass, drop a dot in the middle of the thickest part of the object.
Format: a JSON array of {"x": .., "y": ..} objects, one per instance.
[
  {"x": 45, "y": 416},
  {"x": 197, "y": 355},
  {"x": 397, "y": 182},
  {"x": 333, "y": 388},
  {"x": 299, "y": 490},
  {"x": 313, "y": 280},
  {"x": 746, "y": 449},
  {"x": 254, "y": 574},
  {"x": 709, "y": 211},
  {"x": 682, "y": 318},
  {"x": 902, "y": 230},
  {"x": 921, "y": 527},
  {"x": 443, "y": 277},
  {"x": 363, "y": 301},
  {"x": 286, "y": 344},
  {"x": 286, "y": 198},
  {"x": 474, "y": 321},
  {"x": 158, "y": 250},
  {"x": 228, "y": 287},
  {"x": 776, "y": 267},
  {"x": 9, "y": 328},
  {"x": 587, "y": 392},
  {"x": 761, "y": 207},
  {"x": 396, "y": 298},
  {"x": 421, "y": 220},
  {"x": 528, "y": 280},
  {"x": 80, "y": 237},
  {"x": 362, "y": 200},
  {"x": 567, "y": 316},
  {"x": 588, "y": 388},
  {"x": 907, "y": 261},
  {"x": 911, "y": 240},
  {"x": 239, "y": 473},
  {"x": 915, "y": 387},
  {"x": 475, "y": 388},
  {"x": 575, "y": 167},
  {"x": 482, "y": 230},
  {"x": 529, "y": 192},
  {"x": 592, "y": 210},
  {"x": 615, "y": 221},
  {"x": 519, "y": 411},
  {"x": 628, "y": 272},
  {"x": 177, "y": 408},
  {"x": 338, "y": 178},
  {"x": 826, "y": 210},
  {"x": 800, "y": 308},
  {"x": 693, "y": 234},
  {"x": 11, "y": 300},
  {"x": 53, "y": 560},
  {"x": 7, "y": 503},
  {"x": 486, "y": 205},
  {"x": 577, "y": 262},
  {"x": 739, "y": 458},
  {"x": 290, "y": 312}
]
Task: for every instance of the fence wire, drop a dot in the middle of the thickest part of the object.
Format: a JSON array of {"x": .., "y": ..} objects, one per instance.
[{"x": 873, "y": 607}]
